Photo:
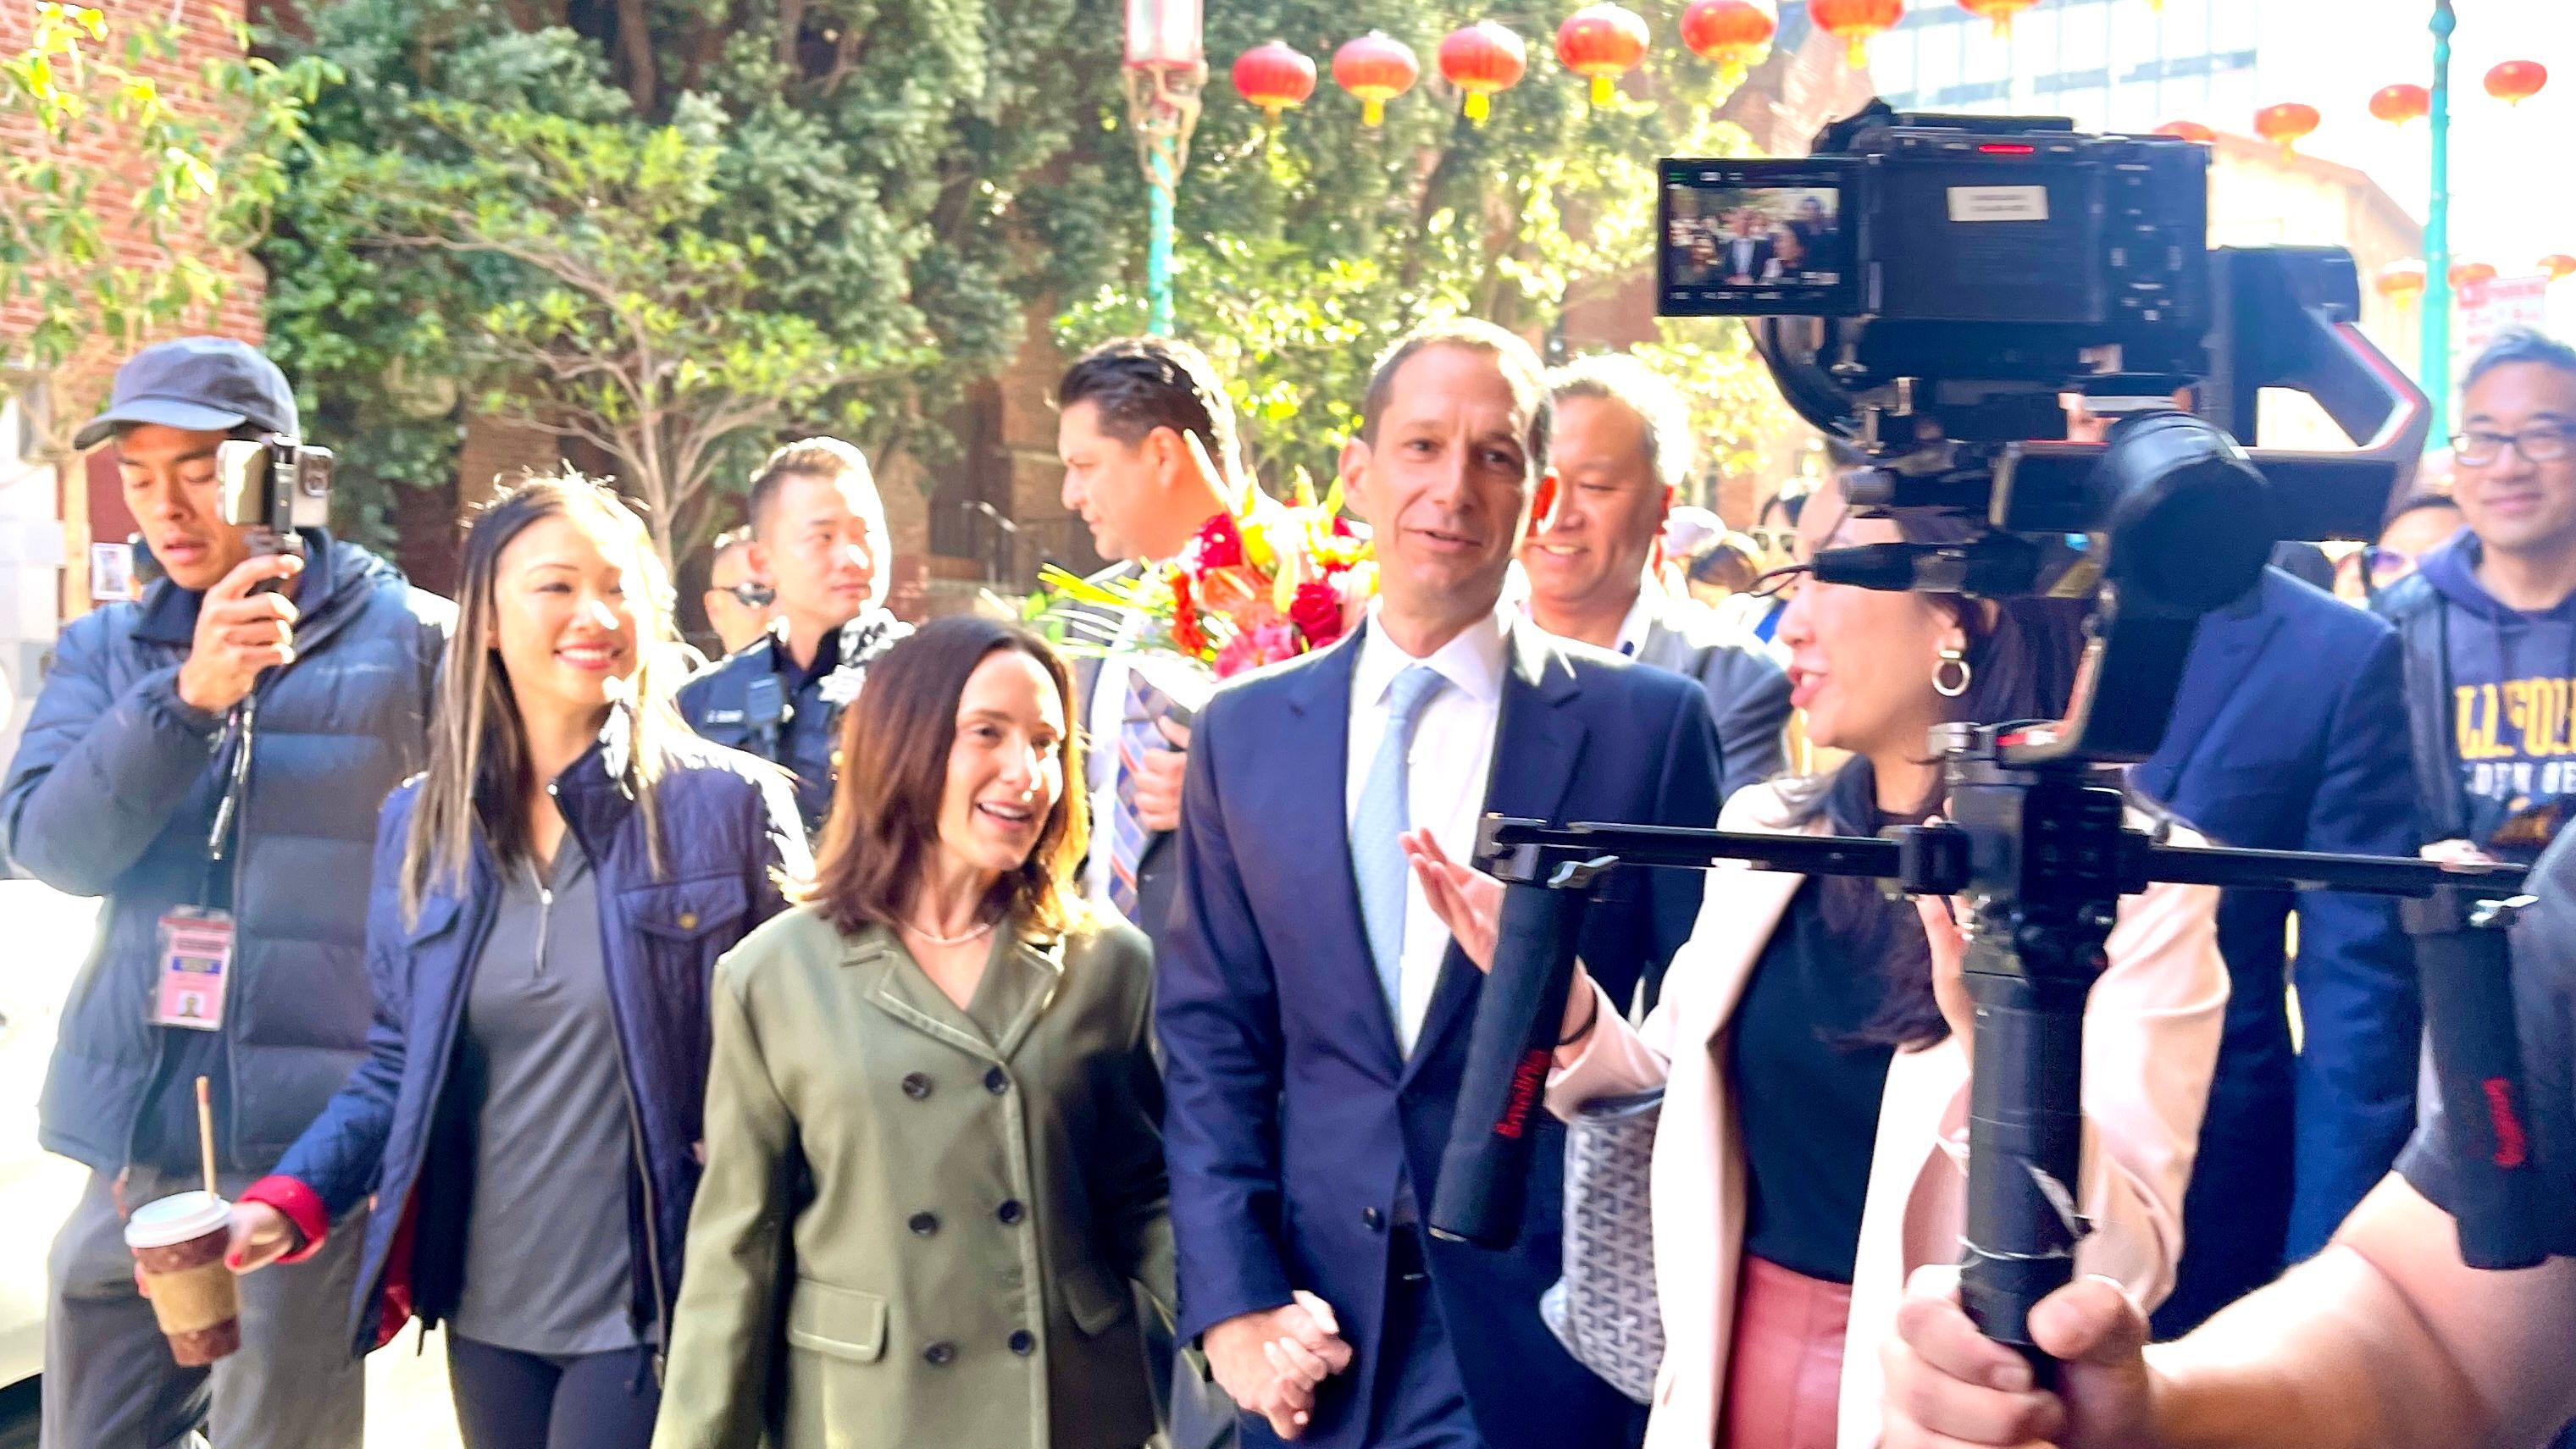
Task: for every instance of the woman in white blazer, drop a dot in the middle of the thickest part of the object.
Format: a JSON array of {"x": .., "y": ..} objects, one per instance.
[{"x": 1812, "y": 1040}]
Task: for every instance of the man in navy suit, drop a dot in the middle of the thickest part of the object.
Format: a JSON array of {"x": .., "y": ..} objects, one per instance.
[
  {"x": 2290, "y": 734},
  {"x": 1314, "y": 1015}
]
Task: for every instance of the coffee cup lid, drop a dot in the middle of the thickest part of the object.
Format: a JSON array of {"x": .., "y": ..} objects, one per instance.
[{"x": 170, "y": 1221}]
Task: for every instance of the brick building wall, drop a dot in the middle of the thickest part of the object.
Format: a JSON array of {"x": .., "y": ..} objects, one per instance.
[{"x": 48, "y": 517}]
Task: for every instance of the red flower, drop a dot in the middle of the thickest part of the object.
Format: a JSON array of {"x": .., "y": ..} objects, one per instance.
[
  {"x": 1317, "y": 612},
  {"x": 1220, "y": 543},
  {"x": 1185, "y": 618}
]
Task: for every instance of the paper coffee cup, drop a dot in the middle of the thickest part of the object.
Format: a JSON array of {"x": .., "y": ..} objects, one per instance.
[{"x": 179, "y": 1243}]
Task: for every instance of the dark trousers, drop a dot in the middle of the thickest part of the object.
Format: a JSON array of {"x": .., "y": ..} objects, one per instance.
[
  {"x": 506, "y": 1399},
  {"x": 1421, "y": 1398}
]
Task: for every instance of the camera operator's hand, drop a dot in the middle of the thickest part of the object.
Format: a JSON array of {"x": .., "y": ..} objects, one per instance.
[
  {"x": 2455, "y": 852},
  {"x": 240, "y": 633},
  {"x": 1949, "y": 1385}
]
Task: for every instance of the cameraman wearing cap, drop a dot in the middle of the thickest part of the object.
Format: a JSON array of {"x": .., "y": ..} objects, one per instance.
[{"x": 239, "y": 894}]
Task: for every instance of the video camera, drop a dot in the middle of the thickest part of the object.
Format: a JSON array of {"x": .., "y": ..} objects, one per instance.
[{"x": 1934, "y": 290}]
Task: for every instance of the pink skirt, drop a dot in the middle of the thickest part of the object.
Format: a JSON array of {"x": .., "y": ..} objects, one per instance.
[{"x": 1784, "y": 1372}]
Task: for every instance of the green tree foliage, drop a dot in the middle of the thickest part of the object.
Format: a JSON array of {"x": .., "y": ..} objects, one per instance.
[
  {"x": 677, "y": 229},
  {"x": 90, "y": 102},
  {"x": 1303, "y": 253}
]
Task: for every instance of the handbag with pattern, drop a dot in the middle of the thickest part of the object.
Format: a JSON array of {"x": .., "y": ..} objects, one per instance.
[{"x": 1604, "y": 1309}]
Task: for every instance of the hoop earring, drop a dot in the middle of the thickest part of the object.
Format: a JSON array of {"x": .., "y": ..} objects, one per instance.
[{"x": 1941, "y": 685}]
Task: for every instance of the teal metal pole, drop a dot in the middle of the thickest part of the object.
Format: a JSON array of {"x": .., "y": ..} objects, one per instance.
[
  {"x": 1158, "y": 244},
  {"x": 2434, "y": 369}
]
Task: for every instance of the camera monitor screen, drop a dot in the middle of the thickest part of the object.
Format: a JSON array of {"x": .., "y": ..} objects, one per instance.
[{"x": 1756, "y": 238}]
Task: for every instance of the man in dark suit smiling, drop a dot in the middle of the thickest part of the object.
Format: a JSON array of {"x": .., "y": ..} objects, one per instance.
[{"x": 1314, "y": 1014}]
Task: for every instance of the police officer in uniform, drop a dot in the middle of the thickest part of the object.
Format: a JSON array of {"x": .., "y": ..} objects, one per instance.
[{"x": 818, "y": 539}]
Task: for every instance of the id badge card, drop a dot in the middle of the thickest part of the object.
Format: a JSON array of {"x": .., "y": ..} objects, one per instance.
[{"x": 196, "y": 962}]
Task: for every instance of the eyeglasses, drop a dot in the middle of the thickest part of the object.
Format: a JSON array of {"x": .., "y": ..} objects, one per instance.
[
  {"x": 2386, "y": 565},
  {"x": 1774, "y": 540},
  {"x": 751, "y": 594},
  {"x": 2480, "y": 449}
]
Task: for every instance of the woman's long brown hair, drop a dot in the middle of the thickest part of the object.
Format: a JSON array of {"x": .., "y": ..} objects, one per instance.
[
  {"x": 895, "y": 743},
  {"x": 479, "y": 775}
]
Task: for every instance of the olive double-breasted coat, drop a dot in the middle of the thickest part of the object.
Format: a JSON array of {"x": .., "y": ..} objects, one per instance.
[{"x": 919, "y": 1225}]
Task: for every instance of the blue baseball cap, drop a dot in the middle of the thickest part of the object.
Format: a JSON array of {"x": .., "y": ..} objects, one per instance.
[{"x": 199, "y": 384}]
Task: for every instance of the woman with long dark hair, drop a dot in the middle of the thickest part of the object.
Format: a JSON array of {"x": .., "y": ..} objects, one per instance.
[
  {"x": 1812, "y": 1041},
  {"x": 550, "y": 898},
  {"x": 934, "y": 1156}
]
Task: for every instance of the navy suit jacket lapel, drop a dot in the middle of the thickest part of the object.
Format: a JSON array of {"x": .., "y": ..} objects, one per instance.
[
  {"x": 1313, "y": 818},
  {"x": 2222, "y": 657},
  {"x": 1538, "y": 745}
]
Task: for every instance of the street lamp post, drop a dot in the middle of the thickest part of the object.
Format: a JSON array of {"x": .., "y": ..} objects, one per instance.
[
  {"x": 1166, "y": 65},
  {"x": 2435, "y": 368}
]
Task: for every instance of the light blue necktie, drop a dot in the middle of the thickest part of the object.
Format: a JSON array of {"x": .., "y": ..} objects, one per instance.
[{"x": 1377, "y": 858}]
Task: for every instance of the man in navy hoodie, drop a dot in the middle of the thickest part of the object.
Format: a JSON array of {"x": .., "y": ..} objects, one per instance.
[{"x": 2489, "y": 619}]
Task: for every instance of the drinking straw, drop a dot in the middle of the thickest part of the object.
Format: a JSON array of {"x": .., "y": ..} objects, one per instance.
[{"x": 206, "y": 1134}]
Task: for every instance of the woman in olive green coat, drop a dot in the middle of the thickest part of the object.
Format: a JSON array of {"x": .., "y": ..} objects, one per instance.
[{"x": 934, "y": 1166}]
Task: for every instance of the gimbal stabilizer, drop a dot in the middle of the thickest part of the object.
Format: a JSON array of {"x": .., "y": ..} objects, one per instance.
[{"x": 2041, "y": 852}]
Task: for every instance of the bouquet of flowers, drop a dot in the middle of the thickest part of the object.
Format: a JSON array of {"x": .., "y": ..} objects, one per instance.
[{"x": 1261, "y": 582}]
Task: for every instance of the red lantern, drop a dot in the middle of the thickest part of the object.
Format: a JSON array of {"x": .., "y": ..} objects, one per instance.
[
  {"x": 2400, "y": 280},
  {"x": 2471, "y": 274},
  {"x": 2287, "y": 123},
  {"x": 2517, "y": 81},
  {"x": 2558, "y": 265},
  {"x": 2399, "y": 104},
  {"x": 2001, "y": 12},
  {"x": 1377, "y": 68},
  {"x": 1481, "y": 59},
  {"x": 2188, "y": 131},
  {"x": 1733, "y": 33},
  {"x": 1854, "y": 22},
  {"x": 1604, "y": 42},
  {"x": 1275, "y": 76}
]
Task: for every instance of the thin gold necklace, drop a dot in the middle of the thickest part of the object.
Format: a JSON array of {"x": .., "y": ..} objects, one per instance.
[{"x": 936, "y": 939}]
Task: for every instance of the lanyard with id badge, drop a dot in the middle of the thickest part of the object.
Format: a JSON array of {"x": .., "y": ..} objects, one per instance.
[{"x": 197, "y": 941}]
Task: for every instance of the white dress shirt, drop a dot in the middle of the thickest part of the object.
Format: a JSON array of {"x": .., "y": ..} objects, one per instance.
[{"x": 1446, "y": 772}]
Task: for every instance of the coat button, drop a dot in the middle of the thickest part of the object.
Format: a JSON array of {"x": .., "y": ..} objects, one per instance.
[
  {"x": 1009, "y": 1212},
  {"x": 1024, "y": 1343},
  {"x": 939, "y": 1355},
  {"x": 688, "y": 920},
  {"x": 1375, "y": 1220},
  {"x": 997, "y": 1081},
  {"x": 923, "y": 1224},
  {"x": 916, "y": 1086}
]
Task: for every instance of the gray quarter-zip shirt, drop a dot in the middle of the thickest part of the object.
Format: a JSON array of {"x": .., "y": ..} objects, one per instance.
[{"x": 548, "y": 1258}]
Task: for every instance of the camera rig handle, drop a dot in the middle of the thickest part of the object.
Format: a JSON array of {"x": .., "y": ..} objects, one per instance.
[{"x": 1484, "y": 1175}]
